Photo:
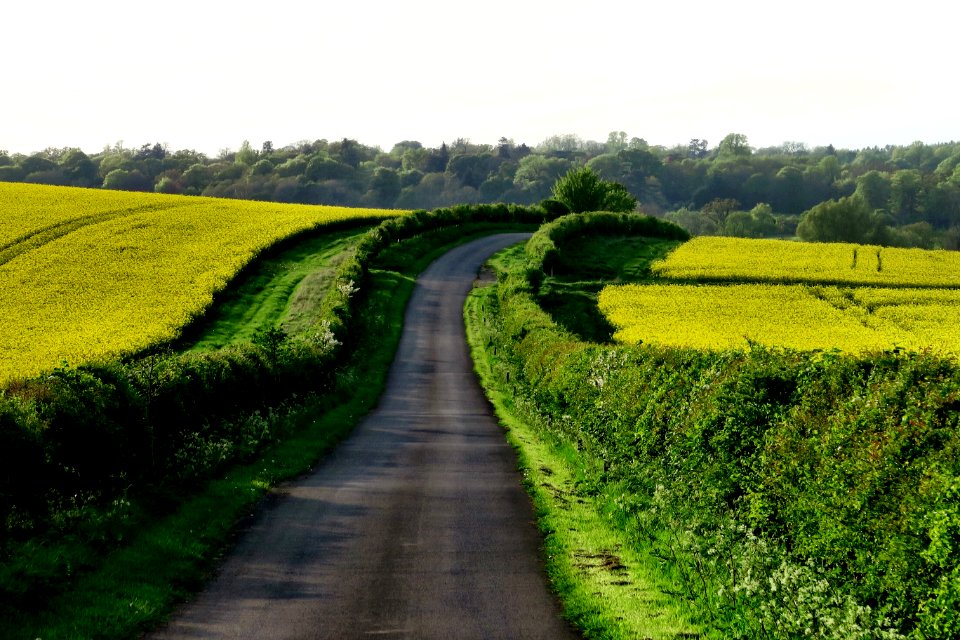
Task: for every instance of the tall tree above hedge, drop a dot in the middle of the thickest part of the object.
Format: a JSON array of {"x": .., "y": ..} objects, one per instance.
[{"x": 581, "y": 189}]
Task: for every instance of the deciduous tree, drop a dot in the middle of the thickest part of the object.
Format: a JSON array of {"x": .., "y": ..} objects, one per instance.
[
  {"x": 583, "y": 190},
  {"x": 844, "y": 220},
  {"x": 734, "y": 144},
  {"x": 873, "y": 188}
]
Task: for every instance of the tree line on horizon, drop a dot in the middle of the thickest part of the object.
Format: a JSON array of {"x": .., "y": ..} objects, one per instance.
[{"x": 893, "y": 195}]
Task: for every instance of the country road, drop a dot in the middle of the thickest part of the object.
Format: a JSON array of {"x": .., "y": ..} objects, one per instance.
[{"x": 416, "y": 526}]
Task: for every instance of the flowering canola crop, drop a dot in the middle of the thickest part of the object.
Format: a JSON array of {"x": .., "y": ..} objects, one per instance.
[
  {"x": 716, "y": 259},
  {"x": 722, "y": 293},
  {"x": 28, "y": 209},
  {"x": 91, "y": 274}
]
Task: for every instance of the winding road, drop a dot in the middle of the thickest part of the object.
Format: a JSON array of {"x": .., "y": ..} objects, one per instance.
[{"x": 416, "y": 526}]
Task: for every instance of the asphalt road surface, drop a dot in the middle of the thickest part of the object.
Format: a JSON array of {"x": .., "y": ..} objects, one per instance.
[{"x": 416, "y": 526}]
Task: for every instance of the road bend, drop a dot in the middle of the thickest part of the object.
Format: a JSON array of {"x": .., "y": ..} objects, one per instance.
[{"x": 416, "y": 526}]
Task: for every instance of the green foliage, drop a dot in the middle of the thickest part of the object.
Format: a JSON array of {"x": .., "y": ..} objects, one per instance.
[
  {"x": 734, "y": 145},
  {"x": 22, "y": 460},
  {"x": 554, "y": 207},
  {"x": 911, "y": 184},
  {"x": 12, "y": 173},
  {"x": 288, "y": 286},
  {"x": 845, "y": 220},
  {"x": 906, "y": 187},
  {"x": 873, "y": 188},
  {"x": 759, "y": 222},
  {"x": 536, "y": 174},
  {"x": 617, "y": 198},
  {"x": 719, "y": 208},
  {"x": 79, "y": 169},
  {"x": 694, "y": 222},
  {"x": 262, "y": 168},
  {"x": 167, "y": 185},
  {"x": 246, "y": 155},
  {"x": 197, "y": 177},
  {"x": 37, "y": 163},
  {"x": 123, "y": 180},
  {"x": 583, "y": 190},
  {"x": 272, "y": 341},
  {"x": 940, "y": 615}
]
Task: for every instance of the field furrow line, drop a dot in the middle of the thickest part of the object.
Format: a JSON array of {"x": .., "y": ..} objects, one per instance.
[{"x": 45, "y": 235}]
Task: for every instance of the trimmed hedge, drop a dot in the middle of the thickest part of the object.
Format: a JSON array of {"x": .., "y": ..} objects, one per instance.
[{"x": 544, "y": 249}]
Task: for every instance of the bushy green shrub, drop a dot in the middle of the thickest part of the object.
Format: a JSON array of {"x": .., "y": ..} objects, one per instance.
[
  {"x": 554, "y": 207},
  {"x": 582, "y": 190}
]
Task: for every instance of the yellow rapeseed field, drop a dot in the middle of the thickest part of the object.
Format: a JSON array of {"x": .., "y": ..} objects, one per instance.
[
  {"x": 722, "y": 293},
  {"x": 716, "y": 259},
  {"x": 129, "y": 272},
  {"x": 730, "y": 316},
  {"x": 28, "y": 209}
]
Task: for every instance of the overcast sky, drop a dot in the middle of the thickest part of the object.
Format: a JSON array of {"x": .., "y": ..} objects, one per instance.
[{"x": 207, "y": 75}]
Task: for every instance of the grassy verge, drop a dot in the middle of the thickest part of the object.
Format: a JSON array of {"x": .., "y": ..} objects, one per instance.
[
  {"x": 284, "y": 290},
  {"x": 135, "y": 587},
  {"x": 608, "y": 588}
]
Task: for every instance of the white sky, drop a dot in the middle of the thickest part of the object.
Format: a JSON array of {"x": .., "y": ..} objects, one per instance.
[{"x": 206, "y": 75}]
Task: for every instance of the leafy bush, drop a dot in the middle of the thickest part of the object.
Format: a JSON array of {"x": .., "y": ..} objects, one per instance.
[
  {"x": 582, "y": 190},
  {"x": 555, "y": 207},
  {"x": 845, "y": 220}
]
